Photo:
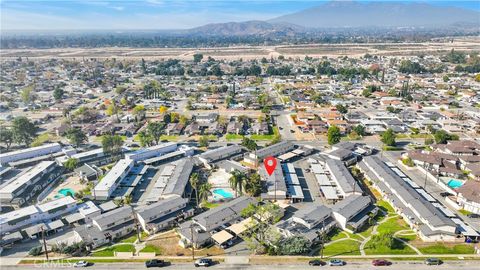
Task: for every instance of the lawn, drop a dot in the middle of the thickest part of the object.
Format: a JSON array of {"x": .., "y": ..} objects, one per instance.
[
  {"x": 381, "y": 250},
  {"x": 259, "y": 137},
  {"x": 168, "y": 244},
  {"x": 464, "y": 212},
  {"x": 392, "y": 148},
  {"x": 152, "y": 248},
  {"x": 170, "y": 138},
  {"x": 338, "y": 235},
  {"x": 384, "y": 205},
  {"x": 392, "y": 225},
  {"x": 445, "y": 249},
  {"x": 109, "y": 252},
  {"x": 233, "y": 137},
  {"x": 209, "y": 205},
  {"x": 130, "y": 239},
  {"x": 344, "y": 247}
]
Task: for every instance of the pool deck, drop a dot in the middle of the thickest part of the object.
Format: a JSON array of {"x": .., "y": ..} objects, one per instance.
[{"x": 73, "y": 183}]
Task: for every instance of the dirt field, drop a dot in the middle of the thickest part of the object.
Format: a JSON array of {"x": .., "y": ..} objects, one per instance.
[
  {"x": 168, "y": 244},
  {"x": 252, "y": 52}
]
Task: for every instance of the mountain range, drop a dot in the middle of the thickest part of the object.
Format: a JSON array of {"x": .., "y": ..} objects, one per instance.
[{"x": 348, "y": 15}]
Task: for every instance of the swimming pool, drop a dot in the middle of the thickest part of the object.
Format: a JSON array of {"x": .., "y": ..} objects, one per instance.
[
  {"x": 220, "y": 192},
  {"x": 454, "y": 183},
  {"x": 66, "y": 192}
]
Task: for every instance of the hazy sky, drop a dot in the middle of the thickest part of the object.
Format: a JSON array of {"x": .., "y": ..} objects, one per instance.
[{"x": 150, "y": 14}]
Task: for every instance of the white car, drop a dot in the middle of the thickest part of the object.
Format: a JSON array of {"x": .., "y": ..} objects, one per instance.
[{"x": 81, "y": 264}]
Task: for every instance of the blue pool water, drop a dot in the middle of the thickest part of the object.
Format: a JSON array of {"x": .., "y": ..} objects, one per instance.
[
  {"x": 222, "y": 193},
  {"x": 453, "y": 183}
]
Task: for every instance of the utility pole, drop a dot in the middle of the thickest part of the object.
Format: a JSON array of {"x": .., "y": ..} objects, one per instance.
[
  {"x": 44, "y": 243},
  {"x": 425, "y": 184},
  {"x": 193, "y": 242}
]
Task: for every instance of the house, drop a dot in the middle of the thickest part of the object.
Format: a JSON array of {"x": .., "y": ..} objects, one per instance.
[
  {"x": 345, "y": 183},
  {"x": 260, "y": 128},
  {"x": 353, "y": 212},
  {"x": 105, "y": 188},
  {"x": 469, "y": 196},
  {"x": 235, "y": 127},
  {"x": 203, "y": 224},
  {"x": 193, "y": 129},
  {"x": 309, "y": 222},
  {"x": 29, "y": 153},
  {"x": 428, "y": 221},
  {"x": 174, "y": 129},
  {"x": 276, "y": 187},
  {"x": 272, "y": 150},
  {"x": 163, "y": 214},
  {"x": 171, "y": 181},
  {"x": 206, "y": 118},
  {"x": 26, "y": 186}
]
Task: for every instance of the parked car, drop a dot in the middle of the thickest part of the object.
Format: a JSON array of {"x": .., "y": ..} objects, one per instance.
[
  {"x": 381, "y": 263},
  {"x": 155, "y": 263},
  {"x": 81, "y": 264},
  {"x": 316, "y": 263},
  {"x": 473, "y": 215},
  {"x": 203, "y": 262},
  {"x": 433, "y": 261},
  {"x": 336, "y": 262}
]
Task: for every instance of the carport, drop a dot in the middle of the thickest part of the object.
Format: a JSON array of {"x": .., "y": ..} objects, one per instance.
[
  {"x": 242, "y": 226},
  {"x": 222, "y": 237}
]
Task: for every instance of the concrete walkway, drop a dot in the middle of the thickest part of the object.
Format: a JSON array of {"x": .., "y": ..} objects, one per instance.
[{"x": 374, "y": 231}]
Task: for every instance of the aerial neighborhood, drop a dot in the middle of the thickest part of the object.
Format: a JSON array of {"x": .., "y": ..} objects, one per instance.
[{"x": 133, "y": 158}]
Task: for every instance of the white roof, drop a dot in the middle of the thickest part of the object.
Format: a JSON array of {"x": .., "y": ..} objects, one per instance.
[
  {"x": 295, "y": 192},
  {"x": 329, "y": 192},
  {"x": 464, "y": 228},
  {"x": 88, "y": 208},
  {"x": 323, "y": 180},
  {"x": 45, "y": 207},
  {"x": 317, "y": 169},
  {"x": 168, "y": 170},
  {"x": 292, "y": 179},
  {"x": 12, "y": 186},
  {"x": 22, "y": 212},
  {"x": 114, "y": 174},
  {"x": 398, "y": 172},
  {"x": 425, "y": 195},
  {"x": 31, "y": 149},
  {"x": 222, "y": 237},
  {"x": 410, "y": 182},
  {"x": 243, "y": 225}
]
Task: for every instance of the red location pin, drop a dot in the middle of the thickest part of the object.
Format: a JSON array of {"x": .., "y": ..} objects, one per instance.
[{"x": 270, "y": 164}]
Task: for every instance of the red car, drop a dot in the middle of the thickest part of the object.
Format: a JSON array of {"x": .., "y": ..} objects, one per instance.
[{"x": 381, "y": 263}]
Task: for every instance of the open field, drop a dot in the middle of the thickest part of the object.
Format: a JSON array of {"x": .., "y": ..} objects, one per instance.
[{"x": 251, "y": 52}]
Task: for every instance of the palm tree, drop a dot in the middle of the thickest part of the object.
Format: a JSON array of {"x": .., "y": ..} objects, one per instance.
[
  {"x": 194, "y": 182},
  {"x": 237, "y": 181},
  {"x": 204, "y": 191},
  {"x": 128, "y": 201}
]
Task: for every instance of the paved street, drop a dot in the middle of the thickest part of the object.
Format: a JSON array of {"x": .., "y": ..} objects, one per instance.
[{"x": 468, "y": 265}]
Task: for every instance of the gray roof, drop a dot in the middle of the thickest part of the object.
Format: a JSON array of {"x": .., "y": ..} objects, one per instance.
[
  {"x": 352, "y": 205},
  {"x": 221, "y": 152},
  {"x": 161, "y": 207},
  {"x": 179, "y": 179},
  {"x": 227, "y": 212},
  {"x": 345, "y": 180},
  {"x": 114, "y": 216},
  {"x": 313, "y": 213},
  {"x": 406, "y": 193},
  {"x": 277, "y": 176},
  {"x": 275, "y": 149}
]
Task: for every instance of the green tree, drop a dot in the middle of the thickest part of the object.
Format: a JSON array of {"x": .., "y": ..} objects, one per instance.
[
  {"x": 27, "y": 95},
  {"x": 76, "y": 136},
  {"x": 145, "y": 139},
  {"x": 155, "y": 130},
  {"x": 333, "y": 135},
  {"x": 441, "y": 136},
  {"x": 71, "y": 164},
  {"x": 24, "y": 131},
  {"x": 341, "y": 108},
  {"x": 295, "y": 245},
  {"x": 204, "y": 191},
  {"x": 6, "y": 137},
  {"x": 197, "y": 57},
  {"x": 195, "y": 182},
  {"x": 58, "y": 93},
  {"x": 253, "y": 184},
  {"x": 203, "y": 141},
  {"x": 388, "y": 137},
  {"x": 249, "y": 144},
  {"x": 113, "y": 109},
  {"x": 237, "y": 181},
  {"x": 360, "y": 130},
  {"x": 112, "y": 144},
  {"x": 139, "y": 112}
]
